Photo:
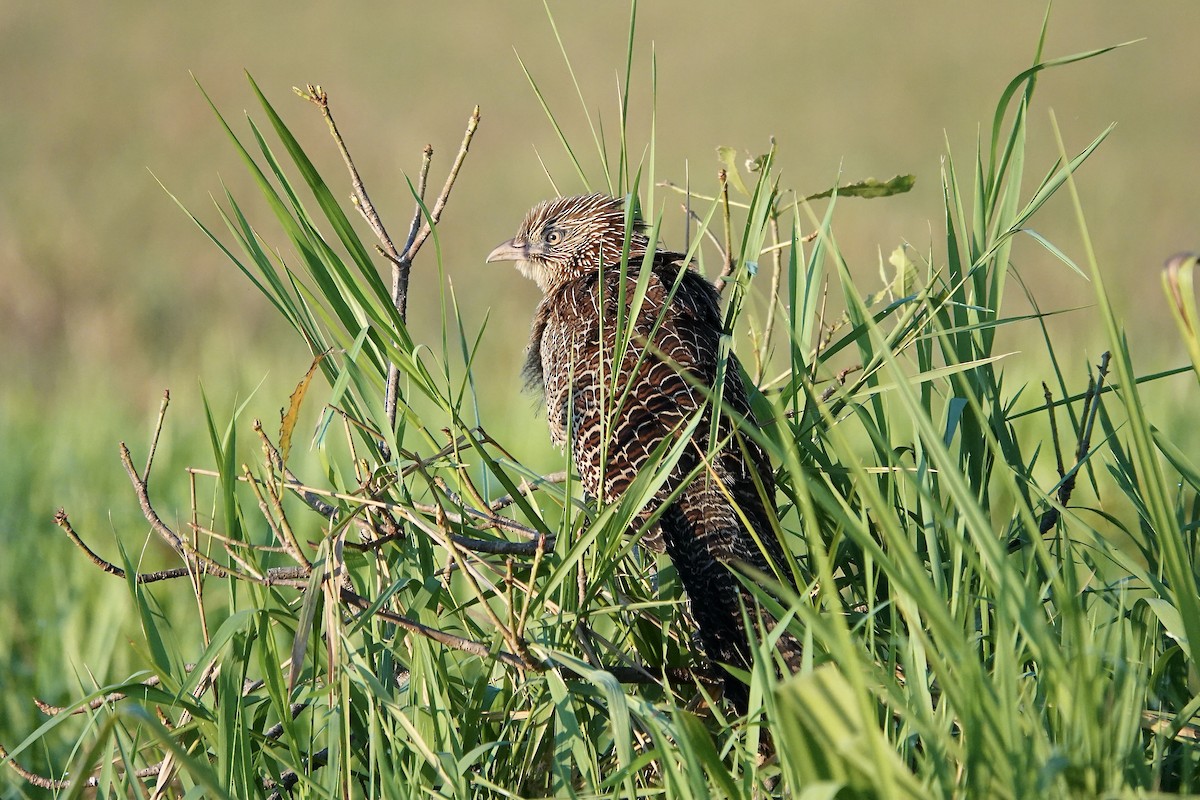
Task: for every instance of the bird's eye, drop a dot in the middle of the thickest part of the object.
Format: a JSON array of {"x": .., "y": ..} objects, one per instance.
[{"x": 553, "y": 237}]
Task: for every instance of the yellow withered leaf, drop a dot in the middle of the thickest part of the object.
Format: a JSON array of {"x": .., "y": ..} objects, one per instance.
[{"x": 287, "y": 419}]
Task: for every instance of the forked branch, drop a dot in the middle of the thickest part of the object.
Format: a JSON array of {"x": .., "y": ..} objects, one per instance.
[{"x": 419, "y": 229}]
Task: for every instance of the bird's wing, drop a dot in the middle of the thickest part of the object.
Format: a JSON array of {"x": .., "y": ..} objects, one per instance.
[{"x": 619, "y": 417}]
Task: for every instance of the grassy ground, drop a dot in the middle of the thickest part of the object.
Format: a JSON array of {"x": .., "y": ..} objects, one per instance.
[{"x": 130, "y": 298}]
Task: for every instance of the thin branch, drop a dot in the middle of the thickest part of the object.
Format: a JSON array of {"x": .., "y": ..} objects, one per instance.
[
  {"x": 142, "y": 490},
  {"x": 480, "y": 649},
  {"x": 113, "y": 697},
  {"x": 278, "y": 576},
  {"x": 841, "y": 381},
  {"x": 1091, "y": 408},
  {"x": 283, "y": 530},
  {"x": 727, "y": 267},
  {"x": 439, "y": 205},
  {"x": 60, "y": 519},
  {"x": 1058, "y": 459},
  {"x": 54, "y": 785},
  {"x": 508, "y": 633},
  {"x": 773, "y": 300},
  {"x": 158, "y": 426},
  {"x": 418, "y": 233},
  {"x": 501, "y": 503},
  {"x": 422, "y": 184},
  {"x": 316, "y": 95},
  {"x": 312, "y": 497},
  {"x": 692, "y": 215}
]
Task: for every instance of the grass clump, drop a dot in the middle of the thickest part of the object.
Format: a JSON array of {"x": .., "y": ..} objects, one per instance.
[{"x": 414, "y": 612}]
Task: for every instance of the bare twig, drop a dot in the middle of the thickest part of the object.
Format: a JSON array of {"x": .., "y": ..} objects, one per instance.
[
  {"x": 439, "y": 205},
  {"x": 727, "y": 267},
  {"x": 841, "y": 381},
  {"x": 1091, "y": 408},
  {"x": 821, "y": 341},
  {"x": 687, "y": 206},
  {"x": 316, "y": 95},
  {"x": 507, "y": 632},
  {"x": 418, "y": 212},
  {"x": 275, "y": 576},
  {"x": 418, "y": 233},
  {"x": 501, "y": 503},
  {"x": 167, "y": 766},
  {"x": 480, "y": 649},
  {"x": 692, "y": 215},
  {"x": 772, "y": 300},
  {"x": 42, "y": 782},
  {"x": 1062, "y": 472},
  {"x": 283, "y": 530},
  {"x": 158, "y": 426},
  {"x": 141, "y": 488},
  {"x": 60, "y": 519},
  {"x": 112, "y": 697},
  {"x": 495, "y": 547}
]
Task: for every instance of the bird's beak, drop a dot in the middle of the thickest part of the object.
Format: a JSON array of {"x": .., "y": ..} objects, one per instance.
[{"x": 510, "y": 251}]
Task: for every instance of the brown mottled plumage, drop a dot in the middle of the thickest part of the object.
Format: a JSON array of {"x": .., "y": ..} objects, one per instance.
[{"x": 572, "y": 248}]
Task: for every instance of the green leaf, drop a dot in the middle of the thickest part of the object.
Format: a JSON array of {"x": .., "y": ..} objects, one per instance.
[
  {"x": 728, "y": 158},
  {"x": 869, "y": 188}
]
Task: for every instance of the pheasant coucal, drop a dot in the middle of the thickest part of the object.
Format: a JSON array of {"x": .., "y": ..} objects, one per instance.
[{"x": 615, "y": 416}]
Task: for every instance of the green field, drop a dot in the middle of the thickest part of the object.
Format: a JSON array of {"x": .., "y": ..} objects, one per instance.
[{"x": 109, "y": 294}]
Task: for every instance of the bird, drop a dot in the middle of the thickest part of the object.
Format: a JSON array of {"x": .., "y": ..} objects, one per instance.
[{"x": 619, "y": 399}]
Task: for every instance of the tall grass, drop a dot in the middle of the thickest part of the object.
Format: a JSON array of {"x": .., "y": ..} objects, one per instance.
[{"x": 970, "y": 630}]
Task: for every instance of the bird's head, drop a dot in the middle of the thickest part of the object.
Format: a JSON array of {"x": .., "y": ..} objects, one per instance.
[{"x": 571, "y": 237}]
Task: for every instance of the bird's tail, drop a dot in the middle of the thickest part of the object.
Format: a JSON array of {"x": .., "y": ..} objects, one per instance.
[{"x": 704, "y": 537}]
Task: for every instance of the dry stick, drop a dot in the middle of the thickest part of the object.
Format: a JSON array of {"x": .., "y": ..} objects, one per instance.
[
  {"x": 141, "y": 488},
  {"x": 727, "y": 267},
  {"x": 311, "y": 497},
  {"x": 60, "y": 519},
  {"x": 687, "y": 207},
  {"x": 707, "y": 232},
  {"x": 1091, "y": 409},
  {"x": 197, "y": 583},
  {"x": 401, "y": 261},
  {"x": 501, "y": 503},
  {"x": 196, "y": 561},
  {"x": 841, "y": 381},
  {"x": 439, "y": 205},
  {"x": 1101, "y": 373},
  {"x": 418, "y": 232},
  {"x": 53, "y": 710},
  {"x": 289, "y": 778},
  {"x": 418, "y": 214},
  {"x": 55, "y": 785},
  {"x": 283, "y": 531},
  {"x": 464, "y": 477},
  {"x": 276, "y": 576},
  {"x": 491, "y": 520},
  {"x": 347, "y": 596},
  {"x": 362, "y": 201},
  {"x": 506, "y": 632},
  {"x": 820, "y": 327},
  {"x": 1062, "y": 471},
  {"x": 158, "y": 426},
  {"x": 167, "y": 767},
  {"x": 497, "y": 547},
  {"x": 773, "y": 299},
  {"x": 480, "y": 649},
  {"x": 265, "y": 511},
  {"x": 440, "y": 535}
]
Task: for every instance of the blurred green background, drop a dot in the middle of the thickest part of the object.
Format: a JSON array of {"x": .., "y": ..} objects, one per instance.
[{"x": 109, "y": 294}]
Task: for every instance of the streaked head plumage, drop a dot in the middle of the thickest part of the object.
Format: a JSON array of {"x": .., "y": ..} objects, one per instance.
[{"x": 570, "y": 237}]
